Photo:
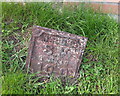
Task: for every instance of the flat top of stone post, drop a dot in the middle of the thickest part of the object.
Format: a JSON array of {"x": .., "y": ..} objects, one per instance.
[{"x": 55, "y": 52}]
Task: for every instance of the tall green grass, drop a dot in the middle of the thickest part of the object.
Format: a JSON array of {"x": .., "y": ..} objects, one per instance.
[{"x": 99, "y": 69}]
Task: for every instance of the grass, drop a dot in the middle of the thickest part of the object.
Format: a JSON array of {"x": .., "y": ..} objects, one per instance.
[{"x": 99, "y": 69}]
